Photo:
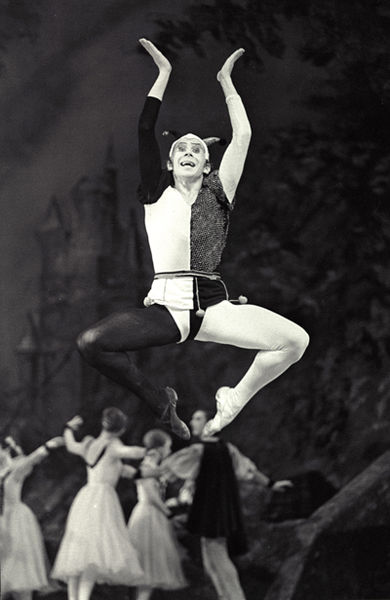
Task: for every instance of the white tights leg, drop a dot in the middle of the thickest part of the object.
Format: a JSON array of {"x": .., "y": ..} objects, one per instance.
[
  {"x": 85, "y": 587},
  {"x": 209, "y": 568},
  {"x": 279, "y": 342},
  {"x": 73, "y": 588},
  {"x": 143, "y": 593},
  {"x": 224, "y": 573}
]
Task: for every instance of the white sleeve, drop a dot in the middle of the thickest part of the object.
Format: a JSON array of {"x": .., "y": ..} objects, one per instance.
[
  {"x": 233, "y": 160},
  {"x": 183, "y": 464},
  {"x": 119, "y": 450}
]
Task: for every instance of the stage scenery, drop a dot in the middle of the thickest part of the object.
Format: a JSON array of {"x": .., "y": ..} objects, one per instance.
[{"x": 195, "y": 290}]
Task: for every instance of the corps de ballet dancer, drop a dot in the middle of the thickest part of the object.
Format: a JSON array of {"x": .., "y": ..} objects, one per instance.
[
  {"x": 96, "y": 547},
  {"x": 151, "y": 532},
  {"x": 23, "y": 557}
]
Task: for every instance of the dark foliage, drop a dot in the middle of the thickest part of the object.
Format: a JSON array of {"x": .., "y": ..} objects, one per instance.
[
  {"x": 19, "y": 19},
  {"x": 319, "y": 227}
]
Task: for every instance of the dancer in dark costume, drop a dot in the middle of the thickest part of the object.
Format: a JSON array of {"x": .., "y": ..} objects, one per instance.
[
  {"x": 187, "y": 209},
  {"x": 211, "y": 469}
]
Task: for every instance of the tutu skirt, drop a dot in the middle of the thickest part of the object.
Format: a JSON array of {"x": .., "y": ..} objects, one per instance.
[
  {"x": 151, "y": 533},
  {"x": 96, "y": 542},
  {"x": 23, "y": 555}
]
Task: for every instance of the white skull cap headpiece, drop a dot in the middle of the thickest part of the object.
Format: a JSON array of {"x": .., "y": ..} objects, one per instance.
[{"x": 191, "y": 136}]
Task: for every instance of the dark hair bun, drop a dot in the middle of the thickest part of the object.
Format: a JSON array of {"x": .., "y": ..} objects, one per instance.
[
  {"x": 113, "y": 419},
  {"x": 155, "y": 438}
]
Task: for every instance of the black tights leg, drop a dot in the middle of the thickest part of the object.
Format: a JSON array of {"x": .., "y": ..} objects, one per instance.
[{"x": 106, "y": 344}]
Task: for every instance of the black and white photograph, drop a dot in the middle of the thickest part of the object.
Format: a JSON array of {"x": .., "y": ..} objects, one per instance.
[{"x": 195, "y": 300}]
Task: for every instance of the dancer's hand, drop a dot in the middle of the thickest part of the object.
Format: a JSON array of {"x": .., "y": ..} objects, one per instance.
[
  {"x": 160, "y": 60},
  {"x": 227, "y": 67},
  {"x": 56, "y": 442},
  {"x": 172, "y": 503},
  {"x": 75, "y": 423},
  {"x": 282, "y": 485},
  {"x": 11, "y": 443}
]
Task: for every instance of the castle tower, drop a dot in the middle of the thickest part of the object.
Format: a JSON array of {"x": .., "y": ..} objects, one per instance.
[
  {"x": 114, "y": 261},
  {"x": 86, "y": 274},
  {"x": 28, "y": 355}
]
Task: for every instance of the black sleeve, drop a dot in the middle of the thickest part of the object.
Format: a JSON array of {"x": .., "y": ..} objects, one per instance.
[{"x": 149, "y": 151}]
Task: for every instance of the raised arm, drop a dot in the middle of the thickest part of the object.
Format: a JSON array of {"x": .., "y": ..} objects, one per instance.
[
  {"x": 149, "y": 151},
  {"x": 233, "y": 160},
  {"x": 164, "y": 69},
  {"x": 24, "y": 464},
  {"x": 12, "y": 444},
  {"x": 119, "y": 450},
  {"x": 73, "y": 446}
]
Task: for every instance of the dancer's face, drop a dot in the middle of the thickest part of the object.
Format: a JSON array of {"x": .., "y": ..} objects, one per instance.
[
  {"x": 197, "y": 423},
  {"x": 189, "y": 159}
]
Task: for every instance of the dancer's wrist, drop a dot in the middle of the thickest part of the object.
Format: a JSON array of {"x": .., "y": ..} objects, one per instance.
[
  {"x": 231, "y": 96},
  {"x": 70, "y": 427},
  {"x": 47, "y": 447}
]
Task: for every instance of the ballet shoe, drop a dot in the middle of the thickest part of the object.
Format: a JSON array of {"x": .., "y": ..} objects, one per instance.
[
  {"x": 227, "y": 409},
  {"x": 170, "y": 417}
]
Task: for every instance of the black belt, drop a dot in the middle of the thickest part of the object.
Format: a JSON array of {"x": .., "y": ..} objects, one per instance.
[{"x": 177, "y": 274}]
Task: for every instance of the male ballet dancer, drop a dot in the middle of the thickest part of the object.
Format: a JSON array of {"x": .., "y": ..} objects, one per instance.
[{"x": 187, "y": 210}]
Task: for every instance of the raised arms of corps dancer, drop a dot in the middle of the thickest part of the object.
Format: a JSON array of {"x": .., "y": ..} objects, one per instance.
[{"x": 187, "y": 211}]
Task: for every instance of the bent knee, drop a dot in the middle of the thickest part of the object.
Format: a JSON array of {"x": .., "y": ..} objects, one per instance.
[
  {"x": 298, "y": 344},
  {"x": 88, "y": 343}
]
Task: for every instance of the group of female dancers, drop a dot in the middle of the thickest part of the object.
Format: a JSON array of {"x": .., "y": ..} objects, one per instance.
[{"x": 97, "y": 546}]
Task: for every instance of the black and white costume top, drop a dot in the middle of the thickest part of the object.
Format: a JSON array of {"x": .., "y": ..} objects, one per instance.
[{"x": 182, "y": 236}]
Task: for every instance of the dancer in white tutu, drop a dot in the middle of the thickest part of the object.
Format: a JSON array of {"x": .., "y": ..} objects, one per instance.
[
  {"x": 151, "y": 532},
  {"x": 22, "y": 552},
  {"x": 96, "y": 547}
]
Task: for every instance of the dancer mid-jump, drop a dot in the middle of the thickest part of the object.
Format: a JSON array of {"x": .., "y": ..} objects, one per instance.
[{"x": 187, "y": 210}]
